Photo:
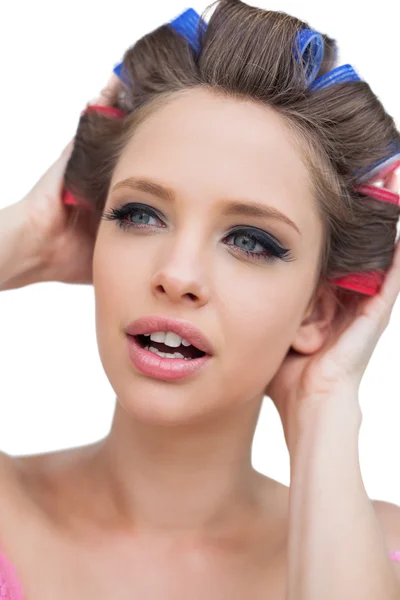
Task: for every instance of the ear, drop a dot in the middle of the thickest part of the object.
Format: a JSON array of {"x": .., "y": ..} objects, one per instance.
[{"x": 315, "y": 326}]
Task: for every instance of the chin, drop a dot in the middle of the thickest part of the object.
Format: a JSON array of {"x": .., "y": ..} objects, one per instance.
[{"x": 159, "y": 402}]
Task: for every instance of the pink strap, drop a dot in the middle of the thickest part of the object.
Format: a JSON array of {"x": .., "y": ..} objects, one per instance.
[
  {"x": 10, "y": 586},
  {"x": 395, "y": 555}
]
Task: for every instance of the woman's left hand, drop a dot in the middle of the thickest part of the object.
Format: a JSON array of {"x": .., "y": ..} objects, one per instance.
[{"x": 305, "y": 383}]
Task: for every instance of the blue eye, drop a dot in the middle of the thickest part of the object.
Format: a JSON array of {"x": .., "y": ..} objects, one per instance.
[
  {"x": 256, "y": 244},
  {"x": 250, "y": 242},
  {"x": 247, "y": 243},
  {"x": 134, "y": 215}
]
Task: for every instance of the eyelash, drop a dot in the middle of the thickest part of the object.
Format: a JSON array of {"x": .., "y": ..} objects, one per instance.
[{"x": 271, "y": 252}]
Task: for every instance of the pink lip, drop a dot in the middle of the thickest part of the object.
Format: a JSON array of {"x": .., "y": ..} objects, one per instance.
[
  {"x": 166, "y": 369},
  {"x": 183, "y": 328}
]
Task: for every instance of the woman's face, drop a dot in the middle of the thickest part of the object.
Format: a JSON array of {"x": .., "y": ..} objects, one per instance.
[{"x": 203, "y": 252}]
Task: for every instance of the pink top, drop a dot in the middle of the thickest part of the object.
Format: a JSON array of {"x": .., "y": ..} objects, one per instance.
[{"x": 11, "y": 588}]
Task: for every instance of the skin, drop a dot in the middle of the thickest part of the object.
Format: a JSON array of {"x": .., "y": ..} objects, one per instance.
[
  {"x": 172, "y": 485},
  {"x": 184, "y": 270}
]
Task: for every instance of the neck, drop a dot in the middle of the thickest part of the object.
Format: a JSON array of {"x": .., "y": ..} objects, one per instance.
[{"x": 195, "y": 478}]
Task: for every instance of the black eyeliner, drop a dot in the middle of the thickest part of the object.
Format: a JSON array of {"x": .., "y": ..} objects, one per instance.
[
  {"x": 262, "y": 238},
  {"x": 126, "y": 209},
  {"x": 272, "y": 249}
]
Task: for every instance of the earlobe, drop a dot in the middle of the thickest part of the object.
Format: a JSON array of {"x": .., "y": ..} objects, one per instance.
[{"x": 315, "y": 327}]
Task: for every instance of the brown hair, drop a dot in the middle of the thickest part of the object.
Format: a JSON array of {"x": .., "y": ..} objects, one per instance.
[{"x": 247, "y": 53}]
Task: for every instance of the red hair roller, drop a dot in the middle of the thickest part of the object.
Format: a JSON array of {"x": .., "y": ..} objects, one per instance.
[{"x": 110, "y": 111}]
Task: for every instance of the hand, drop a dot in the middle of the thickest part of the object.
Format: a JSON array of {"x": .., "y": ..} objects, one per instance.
[
  {"x": 65, "y": 236},
  {"x": 304, "y": 383}
]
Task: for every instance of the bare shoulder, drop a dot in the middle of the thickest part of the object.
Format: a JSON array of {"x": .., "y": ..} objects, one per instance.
[
  {"x": 38, "y": 494},
  {"x": 388, "y": 515},
  {"x": 17, "y": 476},
  {"x": 14, "y": 505},
  {"x": 386, "y": 510},
  {"x": 389, "y": 518},
  {"x": 29, "y": 477},
  {"x": 8, "y": 474},
  {"x": 16, "y": 470}
]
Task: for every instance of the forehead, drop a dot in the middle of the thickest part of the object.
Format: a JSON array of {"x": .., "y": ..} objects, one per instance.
[{"x": 207, "y": 146}]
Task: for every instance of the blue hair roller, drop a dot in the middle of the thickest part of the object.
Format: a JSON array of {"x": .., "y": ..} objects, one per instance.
[
  {"x": 117, "y": 70},
  {"x": 341, "y": 74},
  {"x": 189, "y": 25},
  {"x": 345, "y": 74},
  {"x": 310, "y": 44},
  {"x": 383, "y": 167}
]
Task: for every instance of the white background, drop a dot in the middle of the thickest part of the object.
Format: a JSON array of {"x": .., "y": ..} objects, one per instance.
[{"x": 54, "y": 58}]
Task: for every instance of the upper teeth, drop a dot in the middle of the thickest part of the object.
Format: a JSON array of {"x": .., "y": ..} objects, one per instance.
[{"x": 168, "y": 338}]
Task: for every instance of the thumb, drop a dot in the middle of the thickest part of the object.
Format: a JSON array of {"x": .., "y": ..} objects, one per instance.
[
  {"x": 392, "y": 182},
  {"x": 52, "y": 182},
  {"x": 109, "y": 94},
  {"x": 66, "y": 153}
]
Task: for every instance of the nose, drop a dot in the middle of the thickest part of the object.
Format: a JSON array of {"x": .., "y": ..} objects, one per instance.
[{"x": 181, "y": 279}]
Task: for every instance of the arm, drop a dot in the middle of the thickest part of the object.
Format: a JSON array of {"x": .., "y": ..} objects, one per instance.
[
  {"x": 43, "y": 240},
  {"x": 19, "y": 262},
  {"x": 337, "y": 547},
  {"x": 38, "y": 240}
]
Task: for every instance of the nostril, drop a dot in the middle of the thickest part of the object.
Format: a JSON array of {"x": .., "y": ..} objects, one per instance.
[{"x": 175, "y": 290}]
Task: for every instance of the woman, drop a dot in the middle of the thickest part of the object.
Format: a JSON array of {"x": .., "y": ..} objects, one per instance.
[{"x": 222, "y": 204}]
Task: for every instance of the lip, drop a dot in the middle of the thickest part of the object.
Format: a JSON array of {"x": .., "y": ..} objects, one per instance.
[
  {"x": 182, "y": 328},
  {"x": 165, "y": 369}
]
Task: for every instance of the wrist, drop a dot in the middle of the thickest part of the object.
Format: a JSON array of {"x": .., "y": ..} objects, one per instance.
[
  {"x": 342, "y": 401},
  {"x": 337, "y": 414},
  {"x": 20, "y": 259}
]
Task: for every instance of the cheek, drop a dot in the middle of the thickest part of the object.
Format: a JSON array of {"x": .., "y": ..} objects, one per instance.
[
  {"x": 262, "y": 326},
  {"x": 260, "y": 319},
  {"x": 119, "y": 272},
  {"x": 113, "y": 279},
  {"x": 116, "y": 281},
  {"x": 121, "y": 275},
  {"x": 107, "y": 268}
]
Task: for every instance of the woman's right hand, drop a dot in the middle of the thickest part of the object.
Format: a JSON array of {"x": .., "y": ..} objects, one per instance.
[{"x": 62, "y": 236}]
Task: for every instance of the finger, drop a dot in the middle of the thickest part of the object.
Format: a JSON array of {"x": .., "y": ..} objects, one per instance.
[
  {"x": 54, "y": 176},
  {"x": 66, "y": 153},
  {"x": 391, "y": 285},
  {"x": 110, "y": 92},
  {"x": 392, "y": 181},
  {"x": 59, "y": 168}
]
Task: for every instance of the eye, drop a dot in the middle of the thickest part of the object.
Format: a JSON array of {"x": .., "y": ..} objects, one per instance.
[
  {"x": 256, "y": 244},
  {"x": 134, "y": 215},
  {"x": 247, "y": 243}
]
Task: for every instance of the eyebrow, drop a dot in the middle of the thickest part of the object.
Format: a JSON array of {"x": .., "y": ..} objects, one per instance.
[{"x": 233, "y": 208}]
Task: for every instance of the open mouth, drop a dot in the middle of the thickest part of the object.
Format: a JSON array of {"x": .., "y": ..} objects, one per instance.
[{"x": 183, "y": 351}]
